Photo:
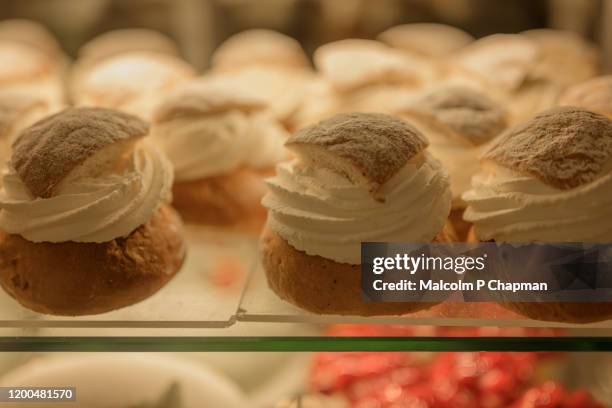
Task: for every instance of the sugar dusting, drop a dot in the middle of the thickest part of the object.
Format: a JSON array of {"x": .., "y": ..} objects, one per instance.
[
  {"x": 376, "y": 145},
  {"x": 49, "y": 150},
  {"x": 563, "y": 147},
  {"x": 464, "y": 111}
]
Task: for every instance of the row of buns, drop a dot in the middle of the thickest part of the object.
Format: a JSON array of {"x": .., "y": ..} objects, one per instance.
[{"x": 426, "y": 135}]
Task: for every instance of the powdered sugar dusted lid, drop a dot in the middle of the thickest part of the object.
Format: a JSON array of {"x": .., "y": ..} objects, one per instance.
[
  {"x": 352, "y": 64},
  {"x": 594, "y": 95},
  {"x": 462, "y": 112},
  {"x": 259, "y": 47},
  {"x": 47, "y": 152},
  {"x": 368, "y": 148},
  {"x": 426, "y": 39},
  {"x": 199, "y": 98},
  {"x": 503, "y": 59},
  {"x": 563, "y": 147}
]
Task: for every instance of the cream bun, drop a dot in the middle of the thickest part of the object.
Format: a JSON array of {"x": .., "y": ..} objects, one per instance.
[
  {"x": 117, "y": 42},
  {"x": 30, "y": 71},
  {"x": 369, "y": 76},
  {"x": 503, "y": 59},
  {"x": 564, "y": 59},
  {"x": 458, "y": 122},
  {"x": 131, "y": 82},
  {"x": 428, "y": 40},
  {"x": 269, "y": 64},
  {"x": 221, "y": 142},
  {"x": 594, "y": 95},
  {"x": 548, "y": 180},
  {"x": 506, "y": 62},
  {"x": 259, "y": 47},
  {"x": 532, "y": 68},
  {"x": 356, "y": 177},
  {"x": 85, "y": 227}
]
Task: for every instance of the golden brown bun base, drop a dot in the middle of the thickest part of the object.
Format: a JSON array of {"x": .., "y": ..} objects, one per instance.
[
  {"x": 72, "y": 278},
  {"x": 562, "y": 312},
  {"x": 230, "y": 200},
  {"x": 323, "y": 286}
]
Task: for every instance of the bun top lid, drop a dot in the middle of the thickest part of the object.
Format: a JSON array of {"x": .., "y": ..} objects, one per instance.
[
  {"x": 563, "y": 147},
  {"x": 368, "y": 148},
  {"x": 48, "y": 151}
]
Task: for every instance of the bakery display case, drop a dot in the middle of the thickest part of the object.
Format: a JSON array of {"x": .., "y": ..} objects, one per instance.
[{"x": 113, "y": 111}]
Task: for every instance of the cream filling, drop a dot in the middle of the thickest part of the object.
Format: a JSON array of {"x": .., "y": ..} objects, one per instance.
[
  {"x": 509, "y": 207},
  {"x": 89, "y": 209},
  {"x": 323, "y": 213},
  {"x": 219, "y": 144}
]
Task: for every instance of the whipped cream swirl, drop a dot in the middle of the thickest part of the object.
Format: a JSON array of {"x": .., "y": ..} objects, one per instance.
[
  {"x": 213, "y": 145},
  {"x": 509, "y": 207},
  {"x": 323, "y": 213},
  {"x": 96, "y": 209}
]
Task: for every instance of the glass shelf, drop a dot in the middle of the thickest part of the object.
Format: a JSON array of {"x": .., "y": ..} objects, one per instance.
[
  {"x": 260, "y": 304},
  {"x": 220, "y": 301},
  {"x": 205, "y": 293}
]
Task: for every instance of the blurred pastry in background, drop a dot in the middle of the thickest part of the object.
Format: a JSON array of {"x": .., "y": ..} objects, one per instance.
[
  {"x": 34, "y": 35},
  {"x": 368, "y": 76},
  {"x": 85, "y": 227},
  {"x": 426, "y": 40},
  {"x": 268, "y": 63},
  {"x": 30, "y": 71},
  {"x": 565, "y": 58},
  {"x": 17, "y": 112},
  {"x": 532, "y": 68},
  {"x": 259, "y": 47},
  {"x": 503, "y": 59},
  {"x": 318, "y": 101},
  {"x": 594, "y": 95},
  {"x": 117, "y": 42},
  {"x": 547, "y": 180},
  {"x": 357, "y": 178},
  {"x": 505, "y": 62},
  {"x": 133, "y": 82},
  {"x": 222, "y": 142},
  {"x": 458, "y": 122}
]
